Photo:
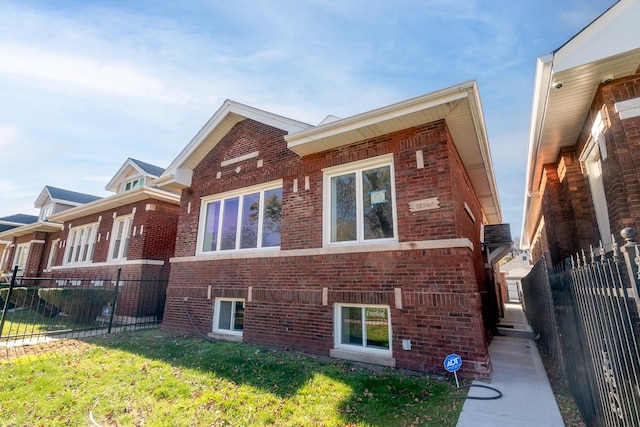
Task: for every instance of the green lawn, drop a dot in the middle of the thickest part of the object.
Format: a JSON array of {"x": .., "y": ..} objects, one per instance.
[
  {"x": 27, "y": 321},
  {"x": 154, "y": 378}
]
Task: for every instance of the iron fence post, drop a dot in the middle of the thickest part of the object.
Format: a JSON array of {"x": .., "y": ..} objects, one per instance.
[
  {"x": 631, "y": 259},
  {"x": 6, "y": 303},
  {"x": 115, "y": 298}
]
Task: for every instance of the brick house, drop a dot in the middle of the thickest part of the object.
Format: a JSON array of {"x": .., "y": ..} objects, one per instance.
[
  {"x": 133, "y": 230},
  {"x": 30, "y": 242},
  {"x": 584, "y": 147},
  {"x": 359, "y": 238},
  {"x": 9, "y": 223}
]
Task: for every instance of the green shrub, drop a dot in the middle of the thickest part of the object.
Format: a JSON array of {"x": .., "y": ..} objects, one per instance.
[
  {"x": 22, "y": 297},
  {"x": 82, "y": 305}
]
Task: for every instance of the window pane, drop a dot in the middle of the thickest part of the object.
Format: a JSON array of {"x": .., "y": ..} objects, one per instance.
[
  {"x": 79, "y": 245},
  {"x": 87, "y": 242},
  {"x": 343, "y": 208},
  {"x": 377, "y": 203},
  {"x": 229, "y": 223},
  {"x": 249, "y": 221},
  {"x": 271, "y": 217},
  {"x": 224, "y": 317},
  {"x": 351, "y": 325},
  {"x": 210, "y": 240},
  {"x": 72, "y": 243},
  {"x": 238, "y": 318},
  {"x": 118, "y": 239},
  {"x": 377, "y": 327},
  {"x": 126, "y": 236}
]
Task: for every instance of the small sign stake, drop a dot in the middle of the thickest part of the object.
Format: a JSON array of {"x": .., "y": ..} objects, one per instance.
[{"x": 452, "y": 363}]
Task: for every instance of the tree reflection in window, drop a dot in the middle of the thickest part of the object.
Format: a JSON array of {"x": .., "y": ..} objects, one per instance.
[{"x": 362, "y": 218}]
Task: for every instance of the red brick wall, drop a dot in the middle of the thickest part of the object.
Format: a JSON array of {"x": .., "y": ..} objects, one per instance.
[
  {"x": 570, "y": 222},
  {"x": 157, "y": 241},
  {"x": 441, "y": 303},
  {"x": 439, "y": 314}
]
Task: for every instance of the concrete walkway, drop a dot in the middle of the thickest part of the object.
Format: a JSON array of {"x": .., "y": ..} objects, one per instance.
[{"x": 527, "y": 399}]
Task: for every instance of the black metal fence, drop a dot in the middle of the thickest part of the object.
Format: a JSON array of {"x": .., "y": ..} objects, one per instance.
[
  {"x": 587, "y": 315},
  {"x": 36, "y": 308}
]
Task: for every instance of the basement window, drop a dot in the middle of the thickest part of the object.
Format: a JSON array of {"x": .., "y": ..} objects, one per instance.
[{"x": 229, "y": 316}]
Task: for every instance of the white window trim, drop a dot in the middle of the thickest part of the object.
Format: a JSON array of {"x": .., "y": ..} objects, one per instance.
[
  {"x": 139, "y": 180},
  {"x": 20, "y": 249},
  {"x": 337, "y": 323},
  {"x": 216, "y": 317},
  {"x": 53, "y": 252},
  {"x": 328, "y": 173},
  {"x": 71, "y": 245},
  {"x": 128, "y": 229},
  {"x": 204, "y": 202},
  {"x": 592, "y": 158}
]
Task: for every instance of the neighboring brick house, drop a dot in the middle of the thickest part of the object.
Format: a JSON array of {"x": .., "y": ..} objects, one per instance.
[
  {"x": 358, "y": 239},
  {"x": 30, "y": 242},
  {"x": 133, "y": 230},
  {"x": 584, "y": 147},
  {"x": 131, "y": 234},
  {"x": 8, "y": 223}
]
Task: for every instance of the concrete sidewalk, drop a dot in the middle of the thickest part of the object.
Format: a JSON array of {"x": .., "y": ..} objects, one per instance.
[{"x": 527, "y": 399}]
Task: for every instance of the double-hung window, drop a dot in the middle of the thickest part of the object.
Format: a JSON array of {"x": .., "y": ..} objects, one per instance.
[
  {"x": 120, "y": 237},
  {"x": 20, "y": 257},
  {"x": 359, "y": 202},
  {"x": 363, "y": 328},
  {"x": 247, "y": 219},
  {"x": 229, "y": 316},
  {"x": 80, "y": 244}
]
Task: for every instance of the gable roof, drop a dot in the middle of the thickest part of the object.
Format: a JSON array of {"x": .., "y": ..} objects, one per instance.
[
  {"x": 458, "y": 105},
  {"x": 565, "y": 84},
  {"x": 178, "y": 173},
  {"x": 67, "y": 197},
  {"x": 45, "y": 226},
  {"x": 115, "y": 201},
  {"x": 18, "y": 219},
  {"x": 143, "y": 168}
]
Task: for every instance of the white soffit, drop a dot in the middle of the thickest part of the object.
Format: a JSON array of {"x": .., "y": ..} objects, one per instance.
[
  {"x": 565, "y": 85},
  {"x": 114, "y": 202}
]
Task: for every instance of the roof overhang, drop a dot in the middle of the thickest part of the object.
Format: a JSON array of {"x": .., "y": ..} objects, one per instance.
[
  {"x": 458, "y": 105},
  {"x": 116, "y": 201},
  {"x": 566, "y": 82},
  {"x": 179, "y": 173},
  {"x": 44, "y": 226}
]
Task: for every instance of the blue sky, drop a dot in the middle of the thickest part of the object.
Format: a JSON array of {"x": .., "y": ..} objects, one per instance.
[{"x": 84, "y": 85}]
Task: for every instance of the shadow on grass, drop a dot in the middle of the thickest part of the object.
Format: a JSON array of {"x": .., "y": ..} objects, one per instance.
[{"x": 376, "y": 396}]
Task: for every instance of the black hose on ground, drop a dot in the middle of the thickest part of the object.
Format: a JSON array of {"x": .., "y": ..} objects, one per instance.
[
  {"x": 497, "y": 396},
  {"x": 186, "y": 310}
]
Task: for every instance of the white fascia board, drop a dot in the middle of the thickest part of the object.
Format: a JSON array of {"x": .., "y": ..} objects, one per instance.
[
  {"x": 115, "y": 201},
  {"x": 612, "y": 33},
  {"x": 228, "y": 107},
  {"x": 372, "y": 117},
  {"x": 45, "y": 226},
  {"x": 111, "y": 185},
  {"x": 543, "y": 82},
  {"x": 475, "y": 105},
  {"x": 42, "y": 197}
]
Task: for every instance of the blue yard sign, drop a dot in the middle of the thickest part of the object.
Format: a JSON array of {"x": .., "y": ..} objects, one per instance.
[{"x": 452, "y": 362}]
